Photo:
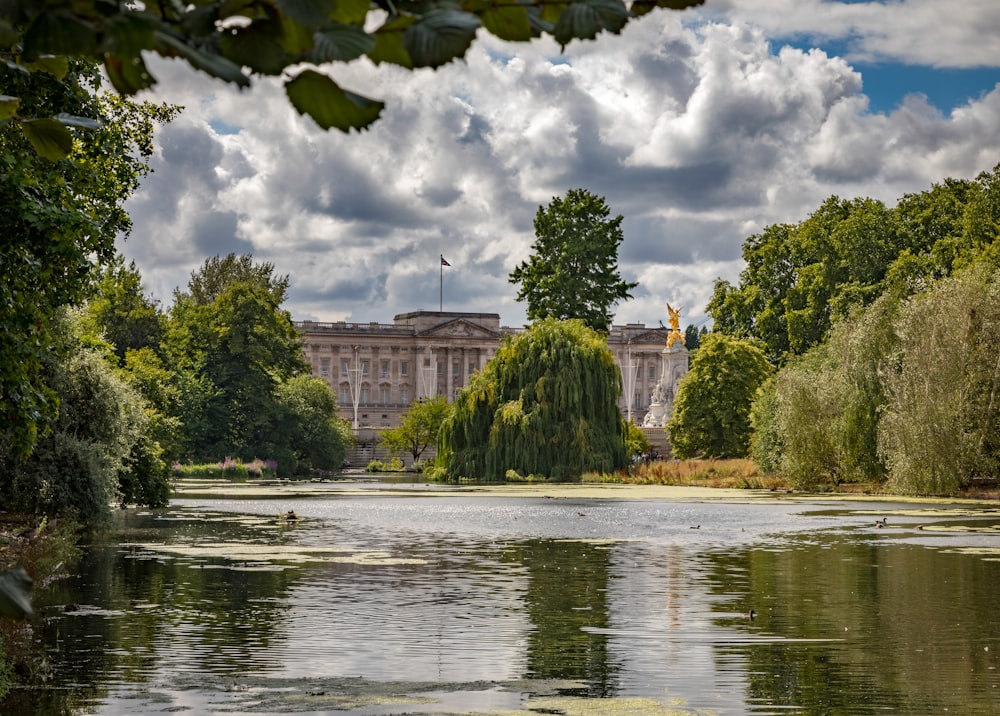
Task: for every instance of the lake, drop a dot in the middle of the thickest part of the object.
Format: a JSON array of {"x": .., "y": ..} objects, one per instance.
[{"x": 405, "y": 598}]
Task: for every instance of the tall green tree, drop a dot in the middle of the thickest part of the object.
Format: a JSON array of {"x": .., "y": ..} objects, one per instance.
[
  {"x": 418, "y": 429},
  {"x": 97, "y": 452},
  {"x": 940, "y": 426},
  {"x": 545, "y": 405},
  {"x": 711, "y": 415},
  {"x": 799, "y": 278},
  {"x": 311, "y": 427},
  {"x": 59, "y": 219},
  {"x": 573, "y": 269},
  {"x": 234, "y": 41},
  {"x": 232, "y": 347},
  {"x": 120, "y": 311}
]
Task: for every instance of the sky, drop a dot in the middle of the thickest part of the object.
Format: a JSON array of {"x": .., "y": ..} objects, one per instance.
[{"x": 699, "y": 127}]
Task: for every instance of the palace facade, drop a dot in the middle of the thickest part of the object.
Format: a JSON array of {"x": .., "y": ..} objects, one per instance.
[{"x": 378, "y": 369}]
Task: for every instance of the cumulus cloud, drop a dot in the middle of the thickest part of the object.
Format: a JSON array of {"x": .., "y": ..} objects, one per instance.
[{"x": 700, "y": 129}]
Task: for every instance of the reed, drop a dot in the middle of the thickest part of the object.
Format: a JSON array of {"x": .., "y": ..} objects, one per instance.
[{"x": 735, "y": 473}]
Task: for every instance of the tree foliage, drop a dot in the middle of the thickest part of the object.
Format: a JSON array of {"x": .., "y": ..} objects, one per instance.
[
  {"x": 801, "y": 278},
  {"x": 234, "y": 41},
  {"x": 941, "y": 425},
  {"x": 120, "y": 312},
  {"x": 419, "y": 427},
  {"x": 59, "y": 219},
  {"x": 906, "y": 391},
  {"x": 711, "y": 415},
  {"x": 573, "y": 270},
  {"x": 233, "y": 346},
  {"x": 97, "y": 452},
  {"x": 545, "y": 405},
  {"x": 317, "y": 437}
]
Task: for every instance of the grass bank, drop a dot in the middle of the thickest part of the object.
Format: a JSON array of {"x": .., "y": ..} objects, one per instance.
[{"x": 734, "y": 474}]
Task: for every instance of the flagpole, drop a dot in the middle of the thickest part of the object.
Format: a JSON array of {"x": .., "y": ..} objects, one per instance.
[{"x": 441, "y": 294}]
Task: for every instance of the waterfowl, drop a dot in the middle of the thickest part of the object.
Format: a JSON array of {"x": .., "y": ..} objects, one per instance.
[
  {"x": 750, "y": 615},
  {"x": 881, "y": 523},
  {"x": 290, "y": 515}
]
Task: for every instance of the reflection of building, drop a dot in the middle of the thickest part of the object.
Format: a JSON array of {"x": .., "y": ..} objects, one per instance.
[{"x": 386, "y": 366}]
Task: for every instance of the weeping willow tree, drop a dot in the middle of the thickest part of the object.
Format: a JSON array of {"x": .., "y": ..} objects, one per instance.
[
  {"x": 546, "y": 405},
  {"x": 941, "y": 426}
]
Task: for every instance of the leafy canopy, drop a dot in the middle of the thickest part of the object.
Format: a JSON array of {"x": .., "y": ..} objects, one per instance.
[
  {"x": 801, "y": 278},
  {"x": 545, "y": 405},
  {"x": 573, "y": 270},
  {"x": 59, "y": 219},
  {"x": 232, "y": 346},
  {"x": 419, "y": 427},
  {"x": 711, "y": 415},
  {"x": 236, "y": 39}
]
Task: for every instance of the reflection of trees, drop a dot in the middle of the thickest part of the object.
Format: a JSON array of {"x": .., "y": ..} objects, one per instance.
[
  {"x": 906, "y": 627},
  {"x": 157, "y": 610},
  {"x": 566, "y": 592}
]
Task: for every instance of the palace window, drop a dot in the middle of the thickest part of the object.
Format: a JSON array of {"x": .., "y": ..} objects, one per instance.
[
  {"x": 324, "y": 366},
  {"x": 385, "y": 369},
  {"x": 404, "y": 367}
]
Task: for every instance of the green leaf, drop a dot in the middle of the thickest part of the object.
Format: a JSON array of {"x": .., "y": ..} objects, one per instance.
[
  {"x": 310, "y": 13},
  {"x": 341, "y": 43},
  {"x": 551, "y": 13},
  {"x": 389, "y": 43},
  {"x": 8, "y": 106},
  {"x": 296, "y": 39},
  {"x": 509, "y": 23},
  {"x": 72, "y": 120},
  {"x": 55, "y": 65},
  {"x": 49, "y": 137},
  {"x": 200, "y": 21},
  {"x": 330, "y": 106},
  {"x": 215, "y": 65},
  {"x": 127, "y": 74},
  {"x": 351, "y": 12},
  {"x": 585, "y": 18},
  {"x": 257, "y": 46},
  {"x": 15, "y": 593},
  {"x": 8, "y": 35},
  {"x": 642, "y": 7},
  {"x": 440, "y": 36},
  {"x": 59, "y": 33}
]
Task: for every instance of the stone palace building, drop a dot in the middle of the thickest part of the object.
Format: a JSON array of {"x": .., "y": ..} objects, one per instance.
[{"x": 377, "y": 369}]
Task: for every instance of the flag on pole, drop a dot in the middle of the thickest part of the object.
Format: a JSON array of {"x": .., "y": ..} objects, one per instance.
[{"x": 443, "y": 262}]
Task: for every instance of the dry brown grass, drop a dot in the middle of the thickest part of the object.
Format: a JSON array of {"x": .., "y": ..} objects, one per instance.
[{"x": 738, "y": 473}]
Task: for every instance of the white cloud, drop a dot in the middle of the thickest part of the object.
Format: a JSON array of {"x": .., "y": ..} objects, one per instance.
[
  {"x": 936, "y": 33},
  {"x": 699, "y": 133}
]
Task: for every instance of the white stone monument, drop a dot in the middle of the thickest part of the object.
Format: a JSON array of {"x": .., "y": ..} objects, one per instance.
[{"x": 673, "y": 366}]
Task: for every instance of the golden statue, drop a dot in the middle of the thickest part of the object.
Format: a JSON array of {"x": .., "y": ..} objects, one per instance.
[{"x": 675, "y": 335}]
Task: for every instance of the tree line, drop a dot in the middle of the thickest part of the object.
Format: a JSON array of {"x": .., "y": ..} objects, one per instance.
[
  {"x": 860, "y": 344},
  {"x": 220, "y": 375}
]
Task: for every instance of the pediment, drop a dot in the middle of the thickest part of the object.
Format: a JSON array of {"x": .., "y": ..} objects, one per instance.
[
  {"x": 655, "y": 335},
  {"x": 459, "y": 328}
]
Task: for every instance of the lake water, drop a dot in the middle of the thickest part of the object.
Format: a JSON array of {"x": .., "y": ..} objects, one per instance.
[{"x": 410, "y": 599}]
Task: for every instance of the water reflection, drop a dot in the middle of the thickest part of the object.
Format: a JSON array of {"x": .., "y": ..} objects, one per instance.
[{"x": 428, "y": 603}]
